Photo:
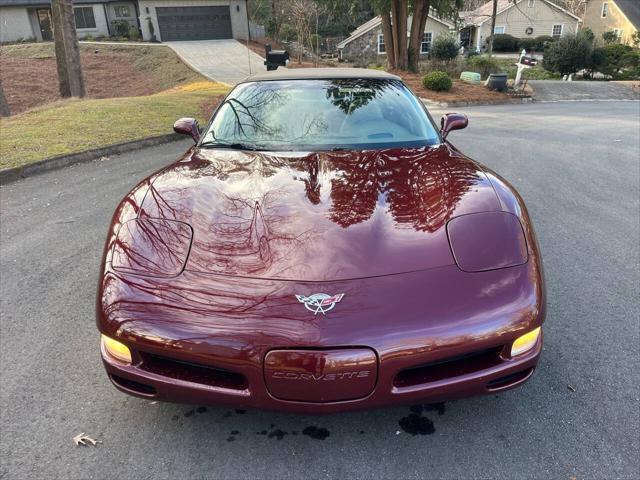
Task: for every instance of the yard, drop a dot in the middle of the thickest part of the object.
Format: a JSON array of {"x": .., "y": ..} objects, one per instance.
[
  {"x": 134, "y": 92},
  {"x": 109, "y": 71}
]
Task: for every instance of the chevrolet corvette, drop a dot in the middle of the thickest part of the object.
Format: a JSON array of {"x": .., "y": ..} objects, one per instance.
[{"x": 321, "y": 247}]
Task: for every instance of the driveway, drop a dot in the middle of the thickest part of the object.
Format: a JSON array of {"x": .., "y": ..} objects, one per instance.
[
  {"x": 576, "y": 166},
  {"x": 227, "y": 61},
  {"x": 553, "y": 90}
]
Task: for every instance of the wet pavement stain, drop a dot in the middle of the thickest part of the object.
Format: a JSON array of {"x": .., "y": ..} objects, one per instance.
[
  {"x": 201, "y": 409},
  {"x": 189, "y": 413},
  {"x": 235, "y": 432},
  {"x": 278, "y": 434},
  {"x": 261, "y": 432},
  {"x": 317, "y": 433},
  {"x": 240, "y": 411},
  {"x": 231, "y": 439},
  {"x": 415, "y": 424}
]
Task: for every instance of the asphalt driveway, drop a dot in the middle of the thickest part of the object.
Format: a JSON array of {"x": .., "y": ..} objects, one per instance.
[
  {"x": 553, "y": 90},
  {"x": 576, "y": 165},
  {"x": 227, "y": 61}
]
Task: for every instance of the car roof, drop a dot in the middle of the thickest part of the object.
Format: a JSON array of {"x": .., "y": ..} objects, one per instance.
[{"x": 321, "y": 74}]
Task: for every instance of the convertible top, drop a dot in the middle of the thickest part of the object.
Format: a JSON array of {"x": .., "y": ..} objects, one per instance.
[{"x": 320, "y": 74}]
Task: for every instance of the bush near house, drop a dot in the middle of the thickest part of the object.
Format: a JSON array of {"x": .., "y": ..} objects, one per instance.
[
  {"x": 503, "y": 42},
  {"x": 444, "y": 48},
  {"x": 484, "y": 65},
  {"x": 622, "y": 62},
  {"x": 568, "y": 54},
  {"x": 437, "y": 81}
]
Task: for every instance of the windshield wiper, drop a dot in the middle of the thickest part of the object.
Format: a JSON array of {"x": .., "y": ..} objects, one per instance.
[{"x": 233, "y": 146}]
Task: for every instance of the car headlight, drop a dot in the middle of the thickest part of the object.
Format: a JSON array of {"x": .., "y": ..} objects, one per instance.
[
  {"x": 116, "y": 349},
  {"x": 525, "y": 342},
  {"x": 487, "y": 241}
]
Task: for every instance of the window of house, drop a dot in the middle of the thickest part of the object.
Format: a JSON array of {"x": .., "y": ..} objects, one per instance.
[
  {"x": 556, "y": 31},
  {"x": 122, "y": 11},
  {"x": 381, "y": 47},
  {"x": 531, "y": 3},
  {"x": 499, "y": 30},
  {"x": 84, "y": 17},
  {"x": 425, "y": 45},
  {"x": 605, "y": 9}
]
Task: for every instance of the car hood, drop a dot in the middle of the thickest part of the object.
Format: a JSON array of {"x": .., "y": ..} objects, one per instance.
[{"x": 319, "y": 216}]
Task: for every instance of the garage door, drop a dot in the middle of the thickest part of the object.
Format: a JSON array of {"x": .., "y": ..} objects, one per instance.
[{"x": 193, "y": 23}]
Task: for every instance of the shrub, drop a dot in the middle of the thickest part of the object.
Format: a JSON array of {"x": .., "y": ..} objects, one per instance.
[
  {"x": 567, "y": 55},
  {"x": 529, "y": 44},
  {"x": 610, "y": 37},
  {"x": 437, "y": 81},
  {"x": 134, "y": 34},
  {"x": 595, "y": 61},
  {"x": 483, "y": 64},
  {"x": 120, "y": 28},
  {"x": 444, "y": 48},
  {"x": 618, "y": 57},
  {"x": 543, "y": 41},
  {"x": 503, "y": 42},
  {"x": 635, "y": 39}
]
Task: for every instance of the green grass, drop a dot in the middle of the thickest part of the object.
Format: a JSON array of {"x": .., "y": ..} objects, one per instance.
[
  {"x": 73, "y": 126},
  {"x": 157, "y": 61}
]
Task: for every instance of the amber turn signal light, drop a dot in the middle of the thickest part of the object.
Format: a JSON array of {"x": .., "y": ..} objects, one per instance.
[
  {"x": 526, "y": 342},
  {"x": 117, "y": 350}
]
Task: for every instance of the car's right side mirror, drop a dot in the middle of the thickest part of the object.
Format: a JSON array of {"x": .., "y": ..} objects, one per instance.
[{"x": 452, "y": 121}]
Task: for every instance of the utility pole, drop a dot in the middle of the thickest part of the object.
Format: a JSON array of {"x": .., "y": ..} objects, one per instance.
[
  {"x": 67, "y": 50},
  {"x": 493, "y": 26}
]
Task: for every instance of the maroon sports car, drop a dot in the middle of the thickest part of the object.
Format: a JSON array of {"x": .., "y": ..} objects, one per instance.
[{"x": 322, "y": 247}]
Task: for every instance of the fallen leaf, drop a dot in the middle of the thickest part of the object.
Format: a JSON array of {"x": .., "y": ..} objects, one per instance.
[{"x": 83, "y": 439}]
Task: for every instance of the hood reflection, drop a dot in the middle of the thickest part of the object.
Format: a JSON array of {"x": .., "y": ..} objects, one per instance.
[{"x": 319, "y": 216}]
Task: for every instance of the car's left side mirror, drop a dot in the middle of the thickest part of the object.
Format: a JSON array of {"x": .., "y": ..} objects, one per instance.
[
  {"x": 187, "y": 126},
  {"x": 452, "y": 121}
]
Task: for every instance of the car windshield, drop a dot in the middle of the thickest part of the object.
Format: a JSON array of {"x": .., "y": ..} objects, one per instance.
[{"x": 320, "y": 115}]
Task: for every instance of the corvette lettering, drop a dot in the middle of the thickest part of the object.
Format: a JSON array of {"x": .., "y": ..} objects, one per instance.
[{"x": 321, "y": 376}]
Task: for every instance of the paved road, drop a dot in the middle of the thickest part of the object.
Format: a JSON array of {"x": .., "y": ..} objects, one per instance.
[
  {"x": 227, "y": 61},
  {"x": 554, "y": 90},
  {"x": 577, "y": 166}
]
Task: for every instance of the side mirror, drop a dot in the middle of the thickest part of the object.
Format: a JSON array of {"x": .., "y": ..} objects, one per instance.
[
  {"x": 452, "y": 121},
  {"x": 187, "y": 126}
]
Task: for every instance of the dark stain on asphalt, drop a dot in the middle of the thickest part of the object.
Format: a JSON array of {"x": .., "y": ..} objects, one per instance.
[
  {"x": 201, "y": 409},
  {"x": 278, "y": 434},
  {"x": 189, "y": 413},
  {"x": 317, "y": 433},
  {"x": 415, "y": 424},
  {"x": 361, "y": 432},
  {"x": 231, "y": 439},
  {"x": 261, "y": 432},
  {"x": 227, "y": 414},
  {"x": 235, "y": 432},
  {"x": 175, "y": 417},
  {"x": 240, "y": 412},
  {"x": 436, "y": 407}
]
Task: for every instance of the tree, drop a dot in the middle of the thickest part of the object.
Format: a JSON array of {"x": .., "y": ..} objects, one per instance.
[
  {"x": 70, "y": 80},
  {"x": 493, "y": 27},
  {"x": 610, "y": 37},
  {"x": 4, "y": 106},
  {"x": 568, "y": 54}
]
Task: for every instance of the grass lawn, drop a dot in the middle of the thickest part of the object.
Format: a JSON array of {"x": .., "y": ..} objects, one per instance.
[{"x": 72, "y": 126}]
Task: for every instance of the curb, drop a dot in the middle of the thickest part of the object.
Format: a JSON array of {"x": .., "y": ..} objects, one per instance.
[
  {"x": 509, "y": 101},
  {"x": 9, "y": 175}
]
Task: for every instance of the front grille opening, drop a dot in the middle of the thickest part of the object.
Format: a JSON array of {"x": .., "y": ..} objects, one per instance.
[
  {"x": 448, "y": 368},
  {"x": 192, "y": 372},
  {"x": 136, "y": 387},
  {"x": 509, "y": 380}
]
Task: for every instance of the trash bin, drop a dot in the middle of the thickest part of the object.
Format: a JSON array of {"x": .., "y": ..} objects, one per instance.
[{"x": 497, "y": 81}]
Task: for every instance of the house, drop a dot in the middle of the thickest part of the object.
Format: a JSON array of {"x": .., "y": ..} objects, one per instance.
[
  {"x": 519, "y": 18},
  {"x": 621, "y": 16},
  {"x": 171, "y": 19},
  {"x": 366, "y": 43}
]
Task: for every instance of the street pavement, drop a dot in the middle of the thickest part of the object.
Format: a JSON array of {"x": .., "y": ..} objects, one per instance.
[
  {"x": 227, "y": 61},
  {"x": 577, "y": 167}
]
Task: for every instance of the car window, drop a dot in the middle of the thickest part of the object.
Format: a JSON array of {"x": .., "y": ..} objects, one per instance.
[{"x": 321, "y": 115}]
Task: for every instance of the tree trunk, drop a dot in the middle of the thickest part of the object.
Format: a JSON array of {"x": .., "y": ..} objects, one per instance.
[
  {"x": 400, "y": 26},
  {"x": 67, "y": 50},
  {"x": 388, "y": 40},
  {"x": 394, "y": 34},
  {"x": 4, "y": 106},
  {"x": 420, "y": 15},
  {"x": 493, "y": 27}
]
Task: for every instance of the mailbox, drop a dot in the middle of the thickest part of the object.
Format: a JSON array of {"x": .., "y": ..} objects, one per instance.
[{"x": 275, "y": 58}]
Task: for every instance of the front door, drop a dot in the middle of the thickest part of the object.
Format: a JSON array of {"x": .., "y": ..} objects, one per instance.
[{"x": 44, "y": 19}]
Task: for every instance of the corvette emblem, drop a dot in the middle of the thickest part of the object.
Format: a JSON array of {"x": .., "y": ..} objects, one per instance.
[{"x": 320, "y": 302}]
